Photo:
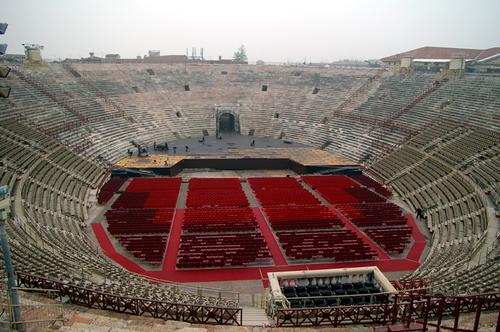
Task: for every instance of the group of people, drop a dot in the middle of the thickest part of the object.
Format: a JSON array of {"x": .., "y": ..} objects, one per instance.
[
  {"x": 160, "y": 147},
  {"x": 420, "y": 214},
  {"x": 141, "y": 152},
  {"x": 164, "y": 147}
]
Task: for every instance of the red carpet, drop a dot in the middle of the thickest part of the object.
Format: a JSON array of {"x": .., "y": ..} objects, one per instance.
[
  {"x": 417, "y": 236},
  {"x": 170, "y": 273},
  {"x": 347, "y": 224},
  {"x": 416, "y": 251},
  {"x": 268, "y": 235},
  {"x": 109, "y": 250},
  {"x": 174, "y": 238},
  {"x": 419, "y": 245}
]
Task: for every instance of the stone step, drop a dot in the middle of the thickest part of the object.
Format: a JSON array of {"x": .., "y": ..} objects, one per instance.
[
  {"x": 104, "y": 321},
  {"x": 255, "y": 317},
  {"x": 252, "y": 200},
  {"x": 181, "y": 200}
]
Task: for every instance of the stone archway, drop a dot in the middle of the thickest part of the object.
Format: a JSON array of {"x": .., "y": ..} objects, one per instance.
[
  {"x": 226, "y": 123},
  {"x": 227, "y": 119}
]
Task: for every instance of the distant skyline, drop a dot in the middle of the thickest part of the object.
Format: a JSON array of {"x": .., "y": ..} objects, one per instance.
[{"x": 273, "y": 31}]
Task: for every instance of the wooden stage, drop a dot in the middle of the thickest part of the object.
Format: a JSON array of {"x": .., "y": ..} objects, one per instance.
[{"x": 304, "y": 155}]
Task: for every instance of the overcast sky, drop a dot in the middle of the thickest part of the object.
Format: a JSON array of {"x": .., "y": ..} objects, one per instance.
[{"x": 270, "y": 30}]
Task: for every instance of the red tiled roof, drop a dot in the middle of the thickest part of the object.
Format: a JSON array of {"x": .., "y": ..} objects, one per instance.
[
  {"x": 429, "y": 52},
  {"x": 487, "y": 53}
]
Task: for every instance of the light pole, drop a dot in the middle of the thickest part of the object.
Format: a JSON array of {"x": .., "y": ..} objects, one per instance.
[
  {"x": 4, "y": 215},
  {"x": 11, "y": 281}
]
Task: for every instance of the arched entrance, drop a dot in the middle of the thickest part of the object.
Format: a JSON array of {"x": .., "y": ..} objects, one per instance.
[
  {"x": 227, "y": 119},
  {"x": 227, "y": 123}
]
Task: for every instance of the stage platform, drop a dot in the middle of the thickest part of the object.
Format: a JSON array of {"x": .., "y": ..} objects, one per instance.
[{"x": 233, "y": 147}]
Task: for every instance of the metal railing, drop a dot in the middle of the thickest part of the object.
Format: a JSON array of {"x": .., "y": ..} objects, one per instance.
[
  {"x": 203, "y": 292},
  {"x": 192, "y": 313},
  {"x": 406, "y": 309}
]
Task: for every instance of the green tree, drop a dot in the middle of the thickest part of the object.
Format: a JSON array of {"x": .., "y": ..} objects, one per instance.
[{"x": 240, "y": 54}]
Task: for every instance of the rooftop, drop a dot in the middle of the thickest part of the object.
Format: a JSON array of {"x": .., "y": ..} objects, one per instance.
[{"x": 440, "y": 53}]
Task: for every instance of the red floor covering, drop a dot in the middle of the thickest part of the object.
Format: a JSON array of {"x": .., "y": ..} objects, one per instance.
[
  {"x": 268, "y": 235},
  {"x": 419, "y": 240},
  {"x": 110, "y": 251},
  {"x": 170, "y": 273},
  {"x": 174, "y": 239},
  {"x": 381, "y": 254}
]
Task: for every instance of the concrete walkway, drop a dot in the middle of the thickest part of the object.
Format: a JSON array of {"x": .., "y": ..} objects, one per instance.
[{"x": 255, "y": 317}]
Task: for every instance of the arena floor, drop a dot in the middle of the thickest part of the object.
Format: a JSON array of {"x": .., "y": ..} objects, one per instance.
[
  {"x": 168, "y": 271},
  {"x": 409, "y": 260}
]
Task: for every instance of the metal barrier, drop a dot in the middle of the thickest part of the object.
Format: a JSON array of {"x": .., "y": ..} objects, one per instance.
[
  {"x": 191, "y": 313},
  {"x": 405, "y": 309},
  {"x": 196, "y": 290},
  {"x": 39, "y": 308}
]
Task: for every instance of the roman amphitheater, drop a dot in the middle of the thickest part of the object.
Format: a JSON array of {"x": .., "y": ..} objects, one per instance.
[{"x": 234, "y": 194}]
